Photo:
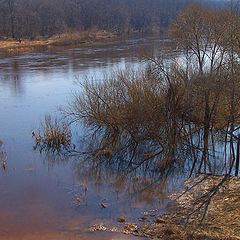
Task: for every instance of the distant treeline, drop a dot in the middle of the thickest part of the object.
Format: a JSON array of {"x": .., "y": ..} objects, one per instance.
[{"x": 31, "y": 18}]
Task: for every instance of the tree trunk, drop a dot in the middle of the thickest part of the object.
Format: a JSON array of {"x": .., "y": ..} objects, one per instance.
[
  {"x": 205, "y": 135},
  {"x": 11, "y": 12},
  {"x": 237, "y": 156}
]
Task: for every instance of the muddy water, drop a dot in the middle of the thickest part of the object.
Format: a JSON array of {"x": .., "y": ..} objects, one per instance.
[{"x": 37, "y": 192}]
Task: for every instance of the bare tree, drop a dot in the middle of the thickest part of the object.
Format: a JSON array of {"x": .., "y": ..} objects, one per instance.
[{"x": 201, "y": 33}]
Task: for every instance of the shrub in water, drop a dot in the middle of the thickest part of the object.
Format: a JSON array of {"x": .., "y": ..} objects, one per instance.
[{"x": 54, "y": 135}]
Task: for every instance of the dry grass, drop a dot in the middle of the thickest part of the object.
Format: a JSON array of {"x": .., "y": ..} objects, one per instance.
[
  {"x": 3, "y": 158},
  {"x": 16, "y": 44},
  {"x": 183, "y": 220},
  {"x": 71, "y": 38},
  {"x": 217, "y": 198},
  {"x": 75, "y": 38},
  {"x": 11, "y": 47},
  {"x": 54, "y": 135}
]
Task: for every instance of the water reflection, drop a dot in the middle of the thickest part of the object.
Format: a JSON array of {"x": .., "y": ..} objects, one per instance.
[
  {"x": 69, "y": 62},
  {"x": 127, "y": 184},
  {"x": 38, "y": 190},
  {"x": 42, "y": 203},
  {"x": 12, "y": 78}
]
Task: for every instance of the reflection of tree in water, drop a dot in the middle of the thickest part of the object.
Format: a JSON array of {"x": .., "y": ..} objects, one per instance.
[
  {"x": 130, "y": 175},
  {"x": 13, "y": 77},
  {"x": 134, "y": 172},
  {"x": 138, "y": 185},
  {"x": 52, "y": 159}
]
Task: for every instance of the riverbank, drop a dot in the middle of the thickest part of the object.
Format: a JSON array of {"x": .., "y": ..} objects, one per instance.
[
  {"x": 207, "y": 209},
  {"x": 14, "y": 48}
]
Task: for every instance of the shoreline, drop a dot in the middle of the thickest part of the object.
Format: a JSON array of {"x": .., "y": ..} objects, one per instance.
[
  {"x": 207, "y": 209},
  {"x": 9, "y": 48}
]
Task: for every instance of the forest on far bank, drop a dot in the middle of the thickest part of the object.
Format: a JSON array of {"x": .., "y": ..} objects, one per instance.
[{"x": 33, "y": 18}]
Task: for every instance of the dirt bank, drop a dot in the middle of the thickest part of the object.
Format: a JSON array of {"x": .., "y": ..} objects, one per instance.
[
  {"x": 13, "y": 48},
  {"x": 207, "y": 209}
]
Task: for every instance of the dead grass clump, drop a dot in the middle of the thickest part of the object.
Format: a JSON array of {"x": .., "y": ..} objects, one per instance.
[
  {"x": 75, "y": 38},
  {"x": 3, "y": 158},
  {"x": 53, "y": 135},
  {"x": 70, "y": 38}
]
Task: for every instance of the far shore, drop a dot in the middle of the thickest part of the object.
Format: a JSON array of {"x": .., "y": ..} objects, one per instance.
[
  {"x": 21, "y": 46},
  {"x": 10, "y": 47}
]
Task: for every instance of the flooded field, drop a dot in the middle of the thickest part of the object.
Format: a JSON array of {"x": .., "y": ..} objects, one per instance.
[{"x": 39, "y": 193}]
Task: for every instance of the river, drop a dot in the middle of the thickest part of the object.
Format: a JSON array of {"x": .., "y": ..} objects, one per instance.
[{"x": 38, "y": 193}]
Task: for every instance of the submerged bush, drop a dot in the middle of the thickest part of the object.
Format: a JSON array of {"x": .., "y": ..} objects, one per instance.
[
  {"x": 174, "y": 106},
  {"x": 53, "y": 135},
  {"x": 159, "y": 111},
  {"x": 132, "y": 108}
]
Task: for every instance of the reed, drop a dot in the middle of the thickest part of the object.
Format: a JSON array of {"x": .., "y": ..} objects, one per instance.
[{"x": 53, "y": 134}]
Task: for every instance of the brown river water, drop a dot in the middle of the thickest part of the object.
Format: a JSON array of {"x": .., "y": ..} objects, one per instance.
[{"x": 38, "y": 193}]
